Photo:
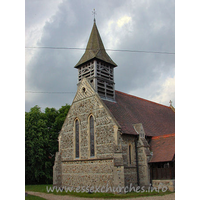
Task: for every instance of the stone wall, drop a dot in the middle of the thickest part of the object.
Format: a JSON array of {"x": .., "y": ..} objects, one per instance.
[
  {"x": 130, "y": 169},
  {"x": 104, "y": 131},
  {"x": 57, "y": 170},
  {"x": 170, "y": 184},
  {"x": 143, "y": 159},
  {"x": 143, "y": 155},
  {"x": 86, "y": 170},
  {"x": 111, "y": 163},
  {"x": 130, "y": 173},
  {"x": 88, "y": 173}
]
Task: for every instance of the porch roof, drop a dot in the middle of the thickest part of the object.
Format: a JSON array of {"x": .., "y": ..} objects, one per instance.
[{"x": 163, "y": 148}]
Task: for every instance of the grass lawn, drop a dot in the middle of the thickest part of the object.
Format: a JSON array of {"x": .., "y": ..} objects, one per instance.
[
  {"x": 31, "y": 197},
  {"x": 42, "y": 188}
]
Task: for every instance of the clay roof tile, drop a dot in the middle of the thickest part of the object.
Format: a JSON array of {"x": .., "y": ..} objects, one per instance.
[
  {"x": 163, "y": 148},
  {"x": 156, "y": 119}
]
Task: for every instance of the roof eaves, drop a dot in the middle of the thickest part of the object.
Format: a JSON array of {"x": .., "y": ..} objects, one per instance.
[{"x": 158, "y": 161}]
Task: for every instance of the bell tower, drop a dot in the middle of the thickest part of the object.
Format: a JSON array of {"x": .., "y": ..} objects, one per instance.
[{"x": 97, "y": 66}]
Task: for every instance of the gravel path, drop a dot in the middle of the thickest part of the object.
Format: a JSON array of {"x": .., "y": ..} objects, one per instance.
[{"x": 67, "y": 197}]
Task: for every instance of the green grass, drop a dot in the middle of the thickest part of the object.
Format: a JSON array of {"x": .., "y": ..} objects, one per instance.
[
  {"x": 32, "y": 197},
  {"x": 37, "y": 188},
  {"x": 42, "y": 188}
]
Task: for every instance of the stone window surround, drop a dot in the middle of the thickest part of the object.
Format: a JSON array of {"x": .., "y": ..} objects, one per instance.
[
  {"x": 88, "y": 131},
  {"x": 130, "y": 147},
  {"x": 75, "y": 138},
  {"x": 91, "y": 120}
]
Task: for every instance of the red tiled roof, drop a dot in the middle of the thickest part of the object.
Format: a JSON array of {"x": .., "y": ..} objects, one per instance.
[
  {"x": 163, "y": 148},
  {"x": 156, "y": 119}
]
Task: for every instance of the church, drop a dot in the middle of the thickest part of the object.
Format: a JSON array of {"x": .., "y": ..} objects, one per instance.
[{"x": 110, "y": 137}]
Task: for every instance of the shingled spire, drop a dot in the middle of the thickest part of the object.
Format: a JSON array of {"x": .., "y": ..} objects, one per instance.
[
  {"x": 95, "y": 49},
  {"x": 97, "y": 66}
]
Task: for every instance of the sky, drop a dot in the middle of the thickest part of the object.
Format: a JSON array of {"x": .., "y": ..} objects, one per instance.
[{"x": 140, "y": 25}]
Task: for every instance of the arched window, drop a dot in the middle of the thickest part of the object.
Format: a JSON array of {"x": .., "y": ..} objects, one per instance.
[
  {"x": 129, "y": 151},
  {"x": 91, "y": 120},
  {"x": 77, "y": 138}
]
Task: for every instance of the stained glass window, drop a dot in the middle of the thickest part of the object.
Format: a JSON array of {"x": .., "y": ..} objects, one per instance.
[
  {"x": 91, "y": 136},
  {"x": 130, "y": 154},
  {"x": 77, "y": 137}
]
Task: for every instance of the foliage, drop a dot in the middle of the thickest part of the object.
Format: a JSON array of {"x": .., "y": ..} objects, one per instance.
[{"x": 41, "y": 142}]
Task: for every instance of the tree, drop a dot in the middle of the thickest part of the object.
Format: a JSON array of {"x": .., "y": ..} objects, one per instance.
[
  {"x": 41, "y": 135},
  {"x": 62, "y": 113}
]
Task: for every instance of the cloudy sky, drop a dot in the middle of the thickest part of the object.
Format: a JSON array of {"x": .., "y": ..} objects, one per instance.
[{"x": 141, "y": 25}]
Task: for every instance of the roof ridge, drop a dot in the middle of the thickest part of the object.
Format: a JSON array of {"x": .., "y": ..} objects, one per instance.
[
  {"x": 142, "y": 99},
  {"x": 163, "y": 136},
  {"x": 172, "y": 107}
]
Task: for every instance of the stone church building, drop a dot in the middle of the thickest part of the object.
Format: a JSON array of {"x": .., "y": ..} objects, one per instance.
[{"x": 110, "y": 137}]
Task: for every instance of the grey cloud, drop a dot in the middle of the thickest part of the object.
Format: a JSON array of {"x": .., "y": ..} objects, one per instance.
[{"x": 151, "y": 29}]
